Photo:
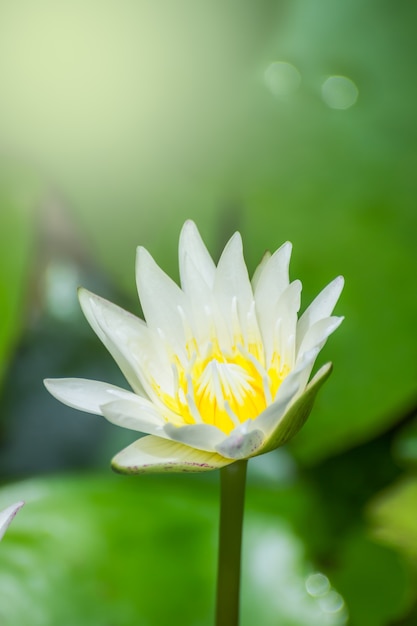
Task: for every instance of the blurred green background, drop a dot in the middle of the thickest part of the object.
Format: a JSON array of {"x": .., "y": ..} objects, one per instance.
[{"x": 286, "y": 120}]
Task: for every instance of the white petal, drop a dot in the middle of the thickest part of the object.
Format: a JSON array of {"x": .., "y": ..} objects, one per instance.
[
  {"x": 7, "y": 515},
  {"x": 288, "y": 390},
  {"x": 287, "y": 311},
  {"x": 278, "y": 324},
  {"x": 164, "y": 304},
  {"x": 128, "y": 340},
  {"x": 192, "y": 245},
  {"x": 232, "y": 283},
  {"x": 85, "y": 395},
  {"x": 242, "y": 443},
  {"x": 300, "y": 374},
  {"x": 137, "y": 414},
  {"x": 201, "y": 436},
  {"x": 317, "y": 334},
  {"x": 291, "y": 388},
  {"x": 273, "y": 277},
  {"x": 321, "y": 307},
  {"x": 152, "y": 454},
  {"x": 288, "y": 425},
  {"x": 259, "y": 269},
  {"x": 202, "y": 306}
]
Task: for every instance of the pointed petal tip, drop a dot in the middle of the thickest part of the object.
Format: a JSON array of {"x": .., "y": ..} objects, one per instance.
[
  {"x": 189, "y": 224},
  {"x": 141, "y": 254},
  {"x": 285, "y": 250},
  {"x": 86, "y": 298},
  {"x": 17, "y": 506},
  {"x": 323, "y": 373},
  {"x": 144, "y": 256},
  {"x": 336, "y": 322},
  {"x": 82, "y": 294},
  {"x": 235, "y": 240},
  {"x": 237, "y": 237},
  {"x": 327, "y": 367},
  {"x": 338, "y": 283},
  {"x": 51, "y": 384},
  {"x": 7, "y": 516},
  {"x": 297, "y": 284}
]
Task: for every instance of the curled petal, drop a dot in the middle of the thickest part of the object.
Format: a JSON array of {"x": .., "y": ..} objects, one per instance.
[
  {"x": 201, "y": 436},
  {"x": 119, "y": 331},
  {"x": 7, "y": 515},
  {"x": 86, "y": 395},
  {"x": 154, "y": 455},
  {"x": 136, "y": 414}
]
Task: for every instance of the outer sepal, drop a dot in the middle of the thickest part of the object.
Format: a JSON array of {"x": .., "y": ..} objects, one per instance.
[
  {"x": 153, "y": 455},
  {"x": 296, "y": 416}
]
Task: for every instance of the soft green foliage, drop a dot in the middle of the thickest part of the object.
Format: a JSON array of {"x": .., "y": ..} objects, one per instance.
[
  {"x": 99, "y": 550},
  {"x": 394, "y": 519},
  {"x": 17, "y": 196}
]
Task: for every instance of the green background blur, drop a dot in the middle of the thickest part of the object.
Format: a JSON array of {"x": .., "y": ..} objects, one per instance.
[{"x": 285, "y": 119}]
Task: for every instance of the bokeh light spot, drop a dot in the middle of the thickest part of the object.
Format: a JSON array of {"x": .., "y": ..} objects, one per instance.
[
  {"x": 339, "y": 92},
  {"x": 282, "y": 79},
  {"x": 61, "y": 282},
  {"x": 317, "y": 584},
  {"x": 332, "y": 602}
]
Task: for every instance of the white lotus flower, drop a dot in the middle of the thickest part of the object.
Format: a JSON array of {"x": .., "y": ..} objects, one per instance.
[
  {"x": 7, "y": 515},
  {"x": 220, "y": 369}
]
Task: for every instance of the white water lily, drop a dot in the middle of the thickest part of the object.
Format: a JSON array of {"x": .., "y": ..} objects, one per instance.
[
  {"x": 7, "y": 515},
  {"x": 219, "y": 372}
]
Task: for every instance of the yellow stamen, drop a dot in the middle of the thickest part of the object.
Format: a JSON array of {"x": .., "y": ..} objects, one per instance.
[{"x": 221, "y": 389}]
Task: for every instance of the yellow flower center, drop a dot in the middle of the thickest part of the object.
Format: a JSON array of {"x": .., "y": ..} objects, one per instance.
[{"x": 222, "y": 389}]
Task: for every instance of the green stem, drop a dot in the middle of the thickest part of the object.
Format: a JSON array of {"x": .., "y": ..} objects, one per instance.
[{"x": 232, "y": 481}]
